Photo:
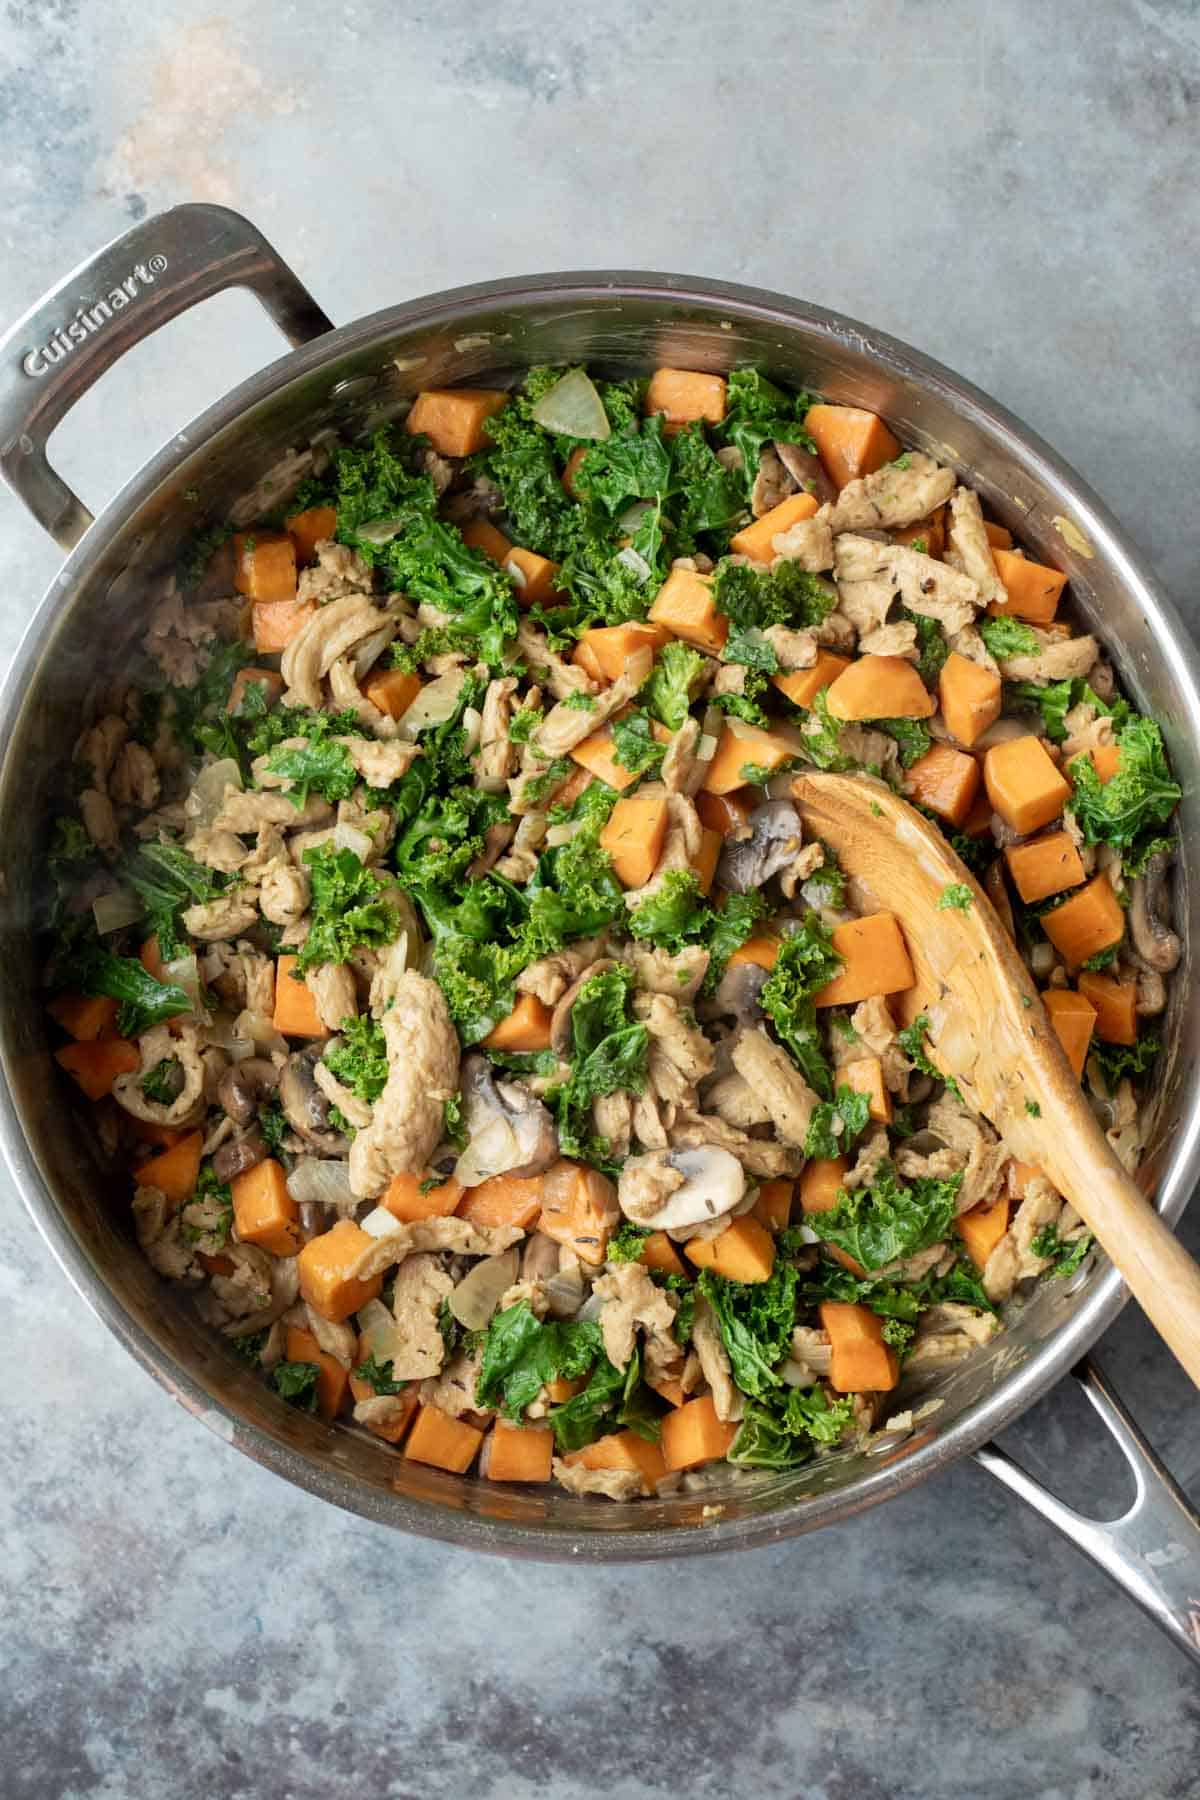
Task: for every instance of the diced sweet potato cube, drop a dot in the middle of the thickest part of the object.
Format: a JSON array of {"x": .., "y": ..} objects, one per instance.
[
  {"x": 971, "y": 698},
  {"x": 264, "y": 1212},
  {"x": 945, "y": 781},
  {"x": 633, "y": 837},
  {"x": 741, "y": 747},
  {"x": 333, "y": 1382},
  {"x": 392, "y": 690},
  {"x": 773, "y": 1207},
  {"x": 264, "y": 566},
  {"x": 865, "y": 1076},
  {"x": 707, "y": 858},
  {"x": 276, "y": 622},
  {"x": 1018, "y": 1176},
  {"x": 403, "y": 1198},
  {"x": 393, "y": 1427},
  {"x": 669, "y": 1388},
  {"x": 682, "y": 395},
  {"x": 978, "y": 822},
  {"x": 875, "y": 960},
  {"x": 604, "y": 650},
  {"x": 296, "y": 1012},
  {"x": 309, "y": 528},
  {"x": 861, "y": 1361},
  {"x": 527, "y": 1026},
  {"x": 572, "y": 469},
  {"x": 623, "y": 1450},
  {"x": 579, "y": 1209},
  {"x": 819, "y": 1183},
  {"x": 763, "y": 952},
  {"x": 684, "y": 606},
  {"x": 726, "y": 812},
  {"x": 845, "y": 1260},
  {"x": 95, "y": 1065},
  {"x": 455, "y": 419},
  {"x": 324, "y": 1266},
  {"x": 659, "y": 1254},
  {"x": 481, "y": 534},
  {"x": 998, "y": 536},
  {"x": 757, "y": 541},
  {"x": 1045, "y": 866},
  {"x": 1023, "y": 784},
  {"x": 879, "y": 687},
  {"x": 443, "y": 1442},
  {"x": 1074, "y": 1019},
  {"x": 802, "y": 686},
  {"x": 85, "y": 1017},
  {"x": 1033, "y": 590},
  {"x": 597, "y": 755},
  {"x": 175, "y": 1170},
  {"x": 927, "y": 535},
  {"x": 564, "y": 1388},
  {"x": 744, "y": 1251},
  {"x": 1106, "y": 760},
  {"x": 1086, "y": 923},
  {"x": 693, "y": 1434},
  {"x": 269, "y": 680},
  {"x": 532, "y": 576},
  {"x": 982, "y": 1228},
  {"x": 504, "y": 1200},
  {"x": 851, "y": 442},
  {"x": 517, "y": 1452},
  {"x": 1115, "y": 1003}
]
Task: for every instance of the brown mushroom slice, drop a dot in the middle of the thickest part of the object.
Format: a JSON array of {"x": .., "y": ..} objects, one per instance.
[
  {"x": 775, "y": 840},
  {"x": 693, "y": 1187},
  {"x": 1157, "y": 946},
  {"x": 509, "y": 1131},
  {"x": 305, "y": 1107}
]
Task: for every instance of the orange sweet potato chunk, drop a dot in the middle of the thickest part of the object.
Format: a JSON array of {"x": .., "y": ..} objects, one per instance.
[
  {"x": 276, "y": 622},
  {"x": 1115, "y": 1004},
  {"x": 707, "y": 858},
  {"x": 1074, "y": 1019},
  {"x": 865, "y": 1076},
  {"x": 296, "y": 1012},
  {"x": 757, "y": 541},
  {"x": 684, "y": 606},
  {"x": 95, "y": 1065},
  {"x": 998, "y": 536},
  {"x": 263, "y": 1211},
  {"x": 623, "y": 1450},
  {"x": 741, "y": 747},
  {"x": 875, "y": 960},
  {"x": 693, "y": 1434},
  {"x": 861, "y": 1360},
  {"x": 928, "y": 534},
  {"x": 324, "y": 1266},
  {"x": 633, "y": 837},
  {"x": 971, "y": 698},
  {"x": 820, "y": 1182},
  {"x": 763, "y": 952},
  {"x": 982, "y": 1228},
  {"x": 1086, "y": 923},
  {"x": 802, "y": 686},
  {"x": 532, "y": 576},
  {"x": 602, "y": 652},
  {"x": 443, "y": 1442},
  {"x": 682, "y": 395},
  {"x": 175, "y": 1170},
  {"x": 1033, "y": 589},
  {"x": 481, "y": 534},
  {"x": 517, "y": 1452},
  {"x": 726, "y": 812},
  {"x": 392, "y": 691},
  {"x": 659, "y": 1254},
  {"x": 744, "y": 1251},
  {"x": 527, "y": 1026},
  {"x": 1023, "y": 784},
  {"x": 945, "y": 781},
  {"x": 309, "y": 528},
  {"x": 879, "y": 687},
  {"x": 455, "y": 419},
  {"x": 597, "y": 754},
  {"x": 773, "y": 1207},
  {"x": 851, "y": 442},
  {"x": 504, "y": 1200},
  {"x": 404, "y": 1199},
  {"x": 268, "y": 679},
  {"x": 85, "y": 1017},
  {"x": 333, "y": 1382},
  {"x": 264, "y": 565},
  {"x": 1047, "y": 865}
]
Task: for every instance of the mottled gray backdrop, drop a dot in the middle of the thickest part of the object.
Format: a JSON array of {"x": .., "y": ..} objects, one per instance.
[{"x": 1011, "y": 186}]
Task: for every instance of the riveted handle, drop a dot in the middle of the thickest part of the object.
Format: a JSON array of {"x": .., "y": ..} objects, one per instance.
[
  {"x": 52, "y": 356},
  {"x": 1153, "y": 1550}
]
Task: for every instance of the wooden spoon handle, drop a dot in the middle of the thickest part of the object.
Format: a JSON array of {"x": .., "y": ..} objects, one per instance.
[{"x": 1160, "y": 1274}]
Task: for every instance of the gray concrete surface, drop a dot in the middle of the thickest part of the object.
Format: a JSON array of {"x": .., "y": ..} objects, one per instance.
[{"x": 1011, "y": 186}]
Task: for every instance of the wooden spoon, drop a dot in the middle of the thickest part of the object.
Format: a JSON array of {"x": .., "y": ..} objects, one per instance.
[{"x": 990, "y": 1031}]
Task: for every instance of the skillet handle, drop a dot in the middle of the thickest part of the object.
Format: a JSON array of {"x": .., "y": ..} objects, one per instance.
[
  {"x": 1153, "y": 1550},
  {"x": 85, "y": 324}
]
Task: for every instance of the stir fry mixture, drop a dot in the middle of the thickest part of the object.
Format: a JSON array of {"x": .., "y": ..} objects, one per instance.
[{"x": 463, "y": 1013}]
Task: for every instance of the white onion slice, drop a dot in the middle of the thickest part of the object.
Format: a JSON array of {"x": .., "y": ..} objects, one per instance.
[
  {"x": 573, "y": 408},
  {"x": 379, "y": 531},
  {"x": 185, "y": 973},
  {"x": 325, "y": 1182},
  {"x": 477, "y": 1295},
  {"x": 260, "y": 1033},
  {"x": 208, "y": 791},
  {"x": 349, "y": 837},
  {"x": 371, "y": 649},
  {"x": 378, "y": 1327},
  {"x": 112, "y": 911},
  {"x": 491, "y": 1151},
  {"x": 633, "y": 559},
  {"x": 380, "y": 1223}
]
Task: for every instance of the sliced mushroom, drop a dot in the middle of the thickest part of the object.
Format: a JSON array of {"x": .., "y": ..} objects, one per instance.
[
  {"x": 509, "y": 1131},
  {"x": 560, "y": 1023},
  {"x": 807, "y": 471},
  {"x": 239, "y": 1154},
  {"x": 774, "y": 842},
  {"x": 1156, "y": 944},
  {"x": 737, "y": 994},
  {"x": 305, "y": 1107},
  {"x": 670, "y": 1190},
  {"x": 243, "y": 1086}
]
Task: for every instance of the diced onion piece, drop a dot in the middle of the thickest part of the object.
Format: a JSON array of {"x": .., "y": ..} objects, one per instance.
[
  {"x": 492, "y": 1151},
  {"x": 379, "y": 531},
  {"x": 472, "y": 724},
  {"x": 378, "y": 1328},
  {"x": 516, "y": 574},
  {"x": 208, "y": 791},
  {"x": 112, "y": 911},
  {"x": 706, "y": 749},
  {"x": 573, "y": 408},
  {"x": 477, "y": 1295},
  {"x": 380, "y": 1223},
  {"x": 631, "y": 518},
  {"x": 349, "y": 837},
  {"x": 372, "y": 648},
  {"x": 436, "y": 702},
  {"x": 260, "y": 1033},
  {"x": 324, "y": 1182},
  {"x": 558, "y": 835},
  {"x": 184, "y": 972},
  {"x": 633, "y": 559}
]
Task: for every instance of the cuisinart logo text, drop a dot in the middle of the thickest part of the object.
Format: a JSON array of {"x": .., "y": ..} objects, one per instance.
[{"x": 92, "y": 318}]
